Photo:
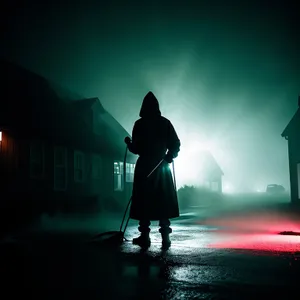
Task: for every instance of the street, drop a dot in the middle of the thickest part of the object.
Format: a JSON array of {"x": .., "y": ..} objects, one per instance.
[{"x": 237, "y": 255}]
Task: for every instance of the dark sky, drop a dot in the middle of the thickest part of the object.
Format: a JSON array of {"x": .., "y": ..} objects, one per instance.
[{"x": 227, "y": 73}]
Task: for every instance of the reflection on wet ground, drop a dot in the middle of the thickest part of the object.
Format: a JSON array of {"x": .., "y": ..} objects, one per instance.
[{"x": 228, "y": 257}]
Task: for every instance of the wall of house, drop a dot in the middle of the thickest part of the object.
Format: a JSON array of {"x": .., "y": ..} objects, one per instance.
[
  {"x": 219, "y": 185},
  {"x": 113, "y": 199},
  {"x": 78, "y": 194},
  {"x": 36, "y": 190},
  {"x": 17, "y": 206},
  {"x": 98, "y": 188},
  {"x": 294, "y": 161},
  {"x": 15, "y": 183},
  {"x": 35, "y": 178},
  {"x": 8, "y": 158},
  {"x": 214, "y": 184},
  {"x": 77, "y": 186}
]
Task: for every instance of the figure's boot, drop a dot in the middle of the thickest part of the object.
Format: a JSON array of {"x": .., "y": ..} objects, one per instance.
[
  {"x": 166, "y": 242},
  {"x": 165, "y": 231},
  {"x": 143, "y": 240}
]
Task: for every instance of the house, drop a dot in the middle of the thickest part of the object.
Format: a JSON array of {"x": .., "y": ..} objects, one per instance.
[
  {"x": 111, "y": 134},
  {"x": 211, "y": 172},
  {"x": 58, "y": 155},
  {"x": 291, "y": 134}
]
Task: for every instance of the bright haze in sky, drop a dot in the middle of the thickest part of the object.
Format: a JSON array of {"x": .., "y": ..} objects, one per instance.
[{"x": 226, "y": 75}]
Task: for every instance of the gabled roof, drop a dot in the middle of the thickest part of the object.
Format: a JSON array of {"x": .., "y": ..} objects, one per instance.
[
  {"x": 84, "y": 104},
  {"x": 26, "y": 98},
  {"x": 209, "y": 165},
  {"x": 63, "y": 92},
  {"x": 114, "y": 125},
  {"x": 33, "y": 105},
  {"x": 102, "y": 116},
  {"x": 293, "y": 125},
  {"x": 111, "y": 130}
]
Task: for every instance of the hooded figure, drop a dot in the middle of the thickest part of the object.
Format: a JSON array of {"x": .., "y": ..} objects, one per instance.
[{"x": 154, "y": 198}]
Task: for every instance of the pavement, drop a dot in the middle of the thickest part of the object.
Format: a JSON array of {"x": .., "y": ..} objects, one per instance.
[{"x": 215, "y": 254}]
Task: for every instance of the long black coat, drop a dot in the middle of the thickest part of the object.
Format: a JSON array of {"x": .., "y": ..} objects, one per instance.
[{"x": 153, "y": 198}]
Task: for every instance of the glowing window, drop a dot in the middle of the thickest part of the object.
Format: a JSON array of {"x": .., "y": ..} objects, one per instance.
[
  {"x": 118, "y": 176},
  {"x": 129, "y": 172},
  {"x": 0, "y": 136}
]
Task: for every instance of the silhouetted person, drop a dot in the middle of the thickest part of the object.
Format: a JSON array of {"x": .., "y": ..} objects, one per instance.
[{"x": 153, "y": 198}]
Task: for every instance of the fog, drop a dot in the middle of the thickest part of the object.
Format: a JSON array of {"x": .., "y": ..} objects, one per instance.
[
  {"x": 90, "y": 223},
  {"x": 226, "y": 75},
  {"x": 235, "y": 214}
]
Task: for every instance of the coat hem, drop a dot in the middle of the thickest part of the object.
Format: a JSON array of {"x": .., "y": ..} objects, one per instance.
[{"x": 153, "y": 219}]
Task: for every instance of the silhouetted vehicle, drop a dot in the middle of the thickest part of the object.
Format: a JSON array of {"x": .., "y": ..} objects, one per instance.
[{"x": 275, "y": 189}]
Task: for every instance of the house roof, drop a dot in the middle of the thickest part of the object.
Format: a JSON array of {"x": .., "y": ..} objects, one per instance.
[
  {"x": 209, "y": 165},
  {"x": 106, "y": 126},
  {"x": 63, "y": 92},
  {"x": 103, "y": 116},
  {"x": 44, "y": 108},
  {"x": 293, "y": 125},
  {"x": 85, "y": 104},
  {"x": 26, "y": 99}
]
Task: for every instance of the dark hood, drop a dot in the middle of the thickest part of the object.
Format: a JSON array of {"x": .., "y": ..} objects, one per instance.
[{"x": 150, "y": 106}]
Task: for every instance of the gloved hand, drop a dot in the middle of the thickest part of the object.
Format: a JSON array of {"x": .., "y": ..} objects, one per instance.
[
  {"x": 127, "y": 140},
  {"x": 168, "y": 158}
]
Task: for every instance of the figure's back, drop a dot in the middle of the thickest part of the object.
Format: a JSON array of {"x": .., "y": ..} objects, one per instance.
[
  {"x": 154, "y": 139},
  {"x": 152, "y": 136}
]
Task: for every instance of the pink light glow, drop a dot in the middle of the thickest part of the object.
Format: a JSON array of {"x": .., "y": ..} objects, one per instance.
[{"x": 256, "y": 232}]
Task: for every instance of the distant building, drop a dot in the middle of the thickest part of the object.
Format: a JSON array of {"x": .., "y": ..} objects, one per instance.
[
  {"x": 211, "y": 172},
  {"x": 58, "y": 155},
  {"x": 292, "y": 134}
]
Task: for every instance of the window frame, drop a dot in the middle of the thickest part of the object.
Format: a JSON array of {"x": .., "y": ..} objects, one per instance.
[
  {"x": 119, "y": 175},
  {"x": 130, "y": 167}
]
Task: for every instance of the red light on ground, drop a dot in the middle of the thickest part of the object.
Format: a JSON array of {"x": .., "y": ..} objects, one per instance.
[
  {"x": 255, "y": 223},
  {"x": 258, "y": 232},
  {"x": 259, "y": 242}
]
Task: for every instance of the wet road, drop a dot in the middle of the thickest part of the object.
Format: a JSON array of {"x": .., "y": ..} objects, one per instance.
[{"x": 210, "y": 258}]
